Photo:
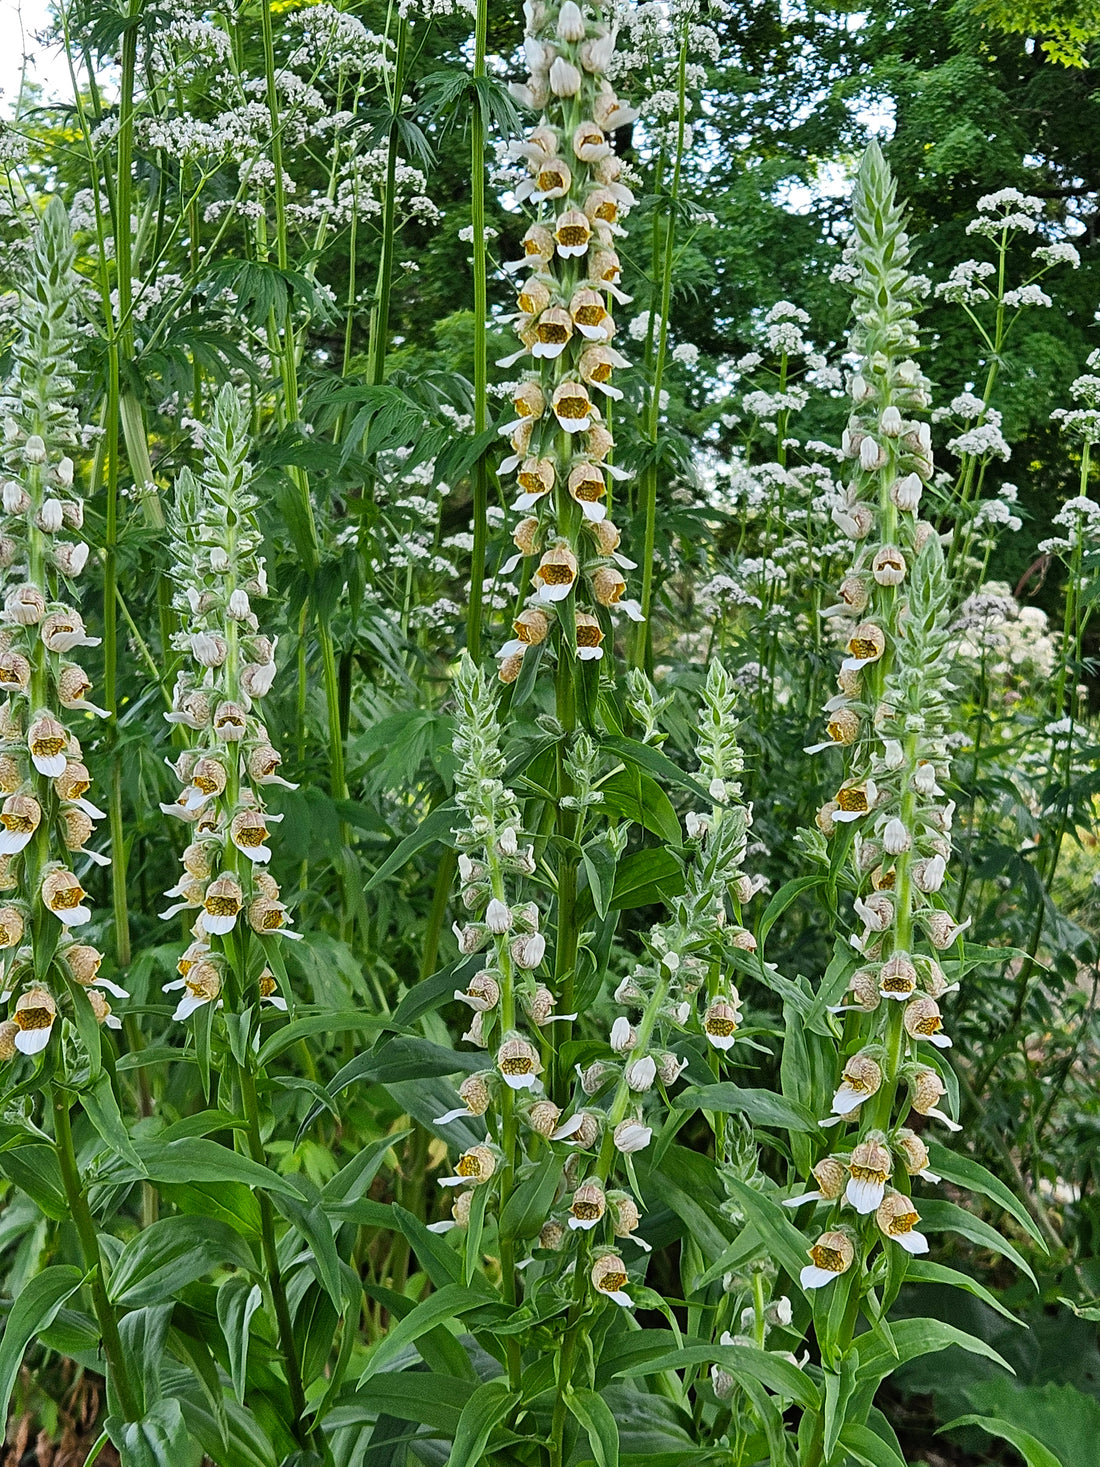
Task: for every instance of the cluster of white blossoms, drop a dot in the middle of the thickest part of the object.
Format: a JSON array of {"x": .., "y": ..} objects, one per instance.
[
  {"x": 1013, "y": 642},
  {"x": 650, "y": 36},
  {"x": 774, "y": 483},
  {"x": 46, "y": 821},
  {"x": 1083, "y": 420},
  {"x": 331, "y": 63},
  {"x": 1007, "y": 209},
  {"x": 230, "y": 760},
  {"x": 560, "y": 443},
  {"x": 889, "y": 718}
]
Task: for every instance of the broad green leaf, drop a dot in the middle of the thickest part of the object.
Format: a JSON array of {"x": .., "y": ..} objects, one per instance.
[
  {"x": 598, "y": 1420},
  {"x": 101, "y": 1108},
  {"x": 159, "y": 1439},
  {"x": 636, "y": 1346},
  {"x": 771, "y": 1369},
  {"x": 788, "y": 893},
  {"x": 315, "y": 1227},
  {"x": 529, "y": 1204},
  {"x": 352, "y": 1180},
  {"x": 35, "y": 1171},
  {"x": 435, "y": 1256},
  {"x": 35, "y": 1308},
  {"x": 194, "y": 1159},
  {"x": 324, "y": 1023},
  {"x": 769, "y": 1415},
  {"x": 635, "y": 796},
  {"x": 238, "y": 1299},
  {"x": 471, "y": 1252},
  {"x": 600, "y": 865},
  {"x": 436, "y": 826},
  {"x": 763, "y": 1107},
  {"x": 432, "y": 993},
  {"x": 450, "y": 1302},
  {"x": 868, "y": 1448},
  {"x": 406, "y": 1395},
  {"x": 913, "y": 1337},
  {"x": 143, "y": 1333},
  {"x": 1034, "y": 1453},
  {"x": 971, "y": 1174},
  {"x": 746, "y": 1247},
  {"x": 230, "y": 1202},
  {"x": 402, "y": 1058},
  {"x": 201, "y": 1124},
  {"x": 925, "y": 1271},
  {"x": 938, "y": 1216},
  {"x": 782, "y": 1240},
  {"x": 171, "y": 1253},
  {"x": 485, "y": 1409},
  {"x": 645, "y": 756},
  {"x": 674, "y": 1184},
  {"x": 642, "y": 877}
]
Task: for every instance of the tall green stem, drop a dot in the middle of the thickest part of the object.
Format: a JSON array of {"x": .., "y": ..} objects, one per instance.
[
  {"x": 642, "y": 652},
  {"x": 93, "y": 1259},
  {"x": 379, "y": 328},
  {"x": 285, "y": 350},
  {"x": 481, "y": 307},
  {"x": 275, "y": 1283}
]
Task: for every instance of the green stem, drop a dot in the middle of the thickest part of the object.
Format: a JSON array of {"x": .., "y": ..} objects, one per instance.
[
  {"x": 642, "y": 651},
  {"x": 379, "y": 329},
  {"x": 481, "y": 365},
  {"x": 93, "y": 1259},
  {"x": 286, "y": 352},
  {"x": 275, "y": 1284}
]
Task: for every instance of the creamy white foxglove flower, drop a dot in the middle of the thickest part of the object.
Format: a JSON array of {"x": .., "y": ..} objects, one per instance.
[
  {"x": 869, "y": 1168},
  {"x": 201, "y": 984},
  {"x": 518, "y": 1063},
  {"x": 588, "y": 1205},
  {"x": 832, "y": 1255},
  {"x": 896, "y": 1217},
  {"x": 631, "y": 1136},
  {"x": 34, "y": 1016},
  {"x": 623, "y": 1036},
  {"x": 861, "y": 1079},
  {"x": 609, "y": 1276}
]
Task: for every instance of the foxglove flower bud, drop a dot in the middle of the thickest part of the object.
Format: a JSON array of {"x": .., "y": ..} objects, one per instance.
[{"x": 571, "y": 26}]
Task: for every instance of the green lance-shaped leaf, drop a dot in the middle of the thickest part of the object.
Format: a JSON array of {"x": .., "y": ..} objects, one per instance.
[
  {"x": 1034, "y": 1453},
  {"x": 172, "y": 1253},
  {"x": 37, "y": 1306}
]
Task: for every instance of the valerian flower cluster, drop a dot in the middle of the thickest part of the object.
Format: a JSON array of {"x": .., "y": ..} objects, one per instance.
[{"x": 47, "y": 821}]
